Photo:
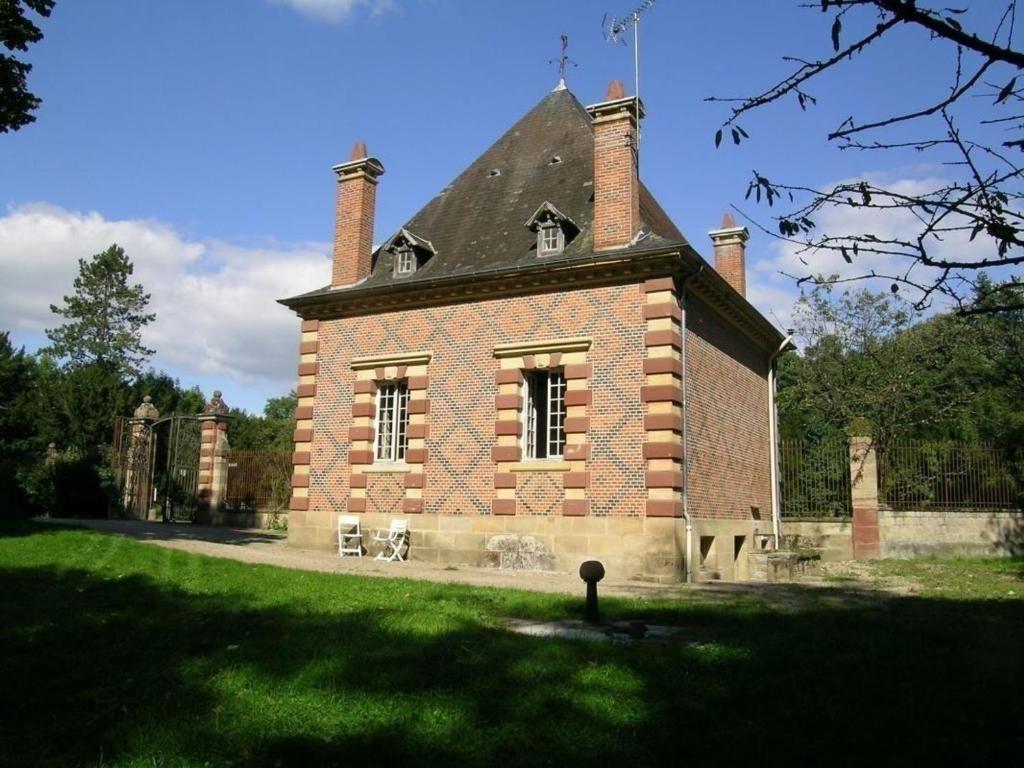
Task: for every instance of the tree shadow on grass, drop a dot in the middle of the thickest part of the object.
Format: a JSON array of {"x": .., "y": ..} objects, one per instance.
[{"x": 130, "y": 670}]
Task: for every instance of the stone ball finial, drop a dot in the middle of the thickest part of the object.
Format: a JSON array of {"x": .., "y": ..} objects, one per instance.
[
  {"x": 616, "y": 90},
  {"x": 216, "y": 404},
  {"x": 358, "y": 151},
  {"x": 592, "y": 571},
  {"x": 147, "y": 410}
]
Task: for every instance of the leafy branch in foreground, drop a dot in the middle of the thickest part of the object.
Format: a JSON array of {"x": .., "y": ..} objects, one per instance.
[{"x": 942, "y": 233}]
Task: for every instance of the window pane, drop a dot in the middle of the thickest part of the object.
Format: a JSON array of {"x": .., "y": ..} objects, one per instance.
[
  {"x": 530, "y": 426},
  {"x": 556, "y": 413},
  {"x": 385, "y": 421},
  {"x": 402, "y": 430},
  {"x": 392, "y": 433}
]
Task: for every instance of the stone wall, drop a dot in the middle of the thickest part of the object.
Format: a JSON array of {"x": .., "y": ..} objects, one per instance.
[
  {"x": 832, "y": 538},
  {"x": 909, "y": 534},
  {"x": 913, "y": 534}
]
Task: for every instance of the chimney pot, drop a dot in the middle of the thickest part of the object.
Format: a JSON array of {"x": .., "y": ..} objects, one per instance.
[
  {"x": 730, "y": 242},
  {"x": 353, "y": 221},
  {"x": 616, "y": 180},
  {"x": 616, "y": 90}
]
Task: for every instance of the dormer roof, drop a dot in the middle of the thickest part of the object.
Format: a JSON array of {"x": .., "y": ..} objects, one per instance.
[
  {"x": 548, "y": 211},
  {"x": 403, "y": 235}
]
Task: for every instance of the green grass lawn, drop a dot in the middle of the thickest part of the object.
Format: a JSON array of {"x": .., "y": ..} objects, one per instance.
[{"x": 119, "y": 653}]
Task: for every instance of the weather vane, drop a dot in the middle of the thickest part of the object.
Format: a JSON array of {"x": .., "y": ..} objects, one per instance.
[{"x": 562, "y": 60}]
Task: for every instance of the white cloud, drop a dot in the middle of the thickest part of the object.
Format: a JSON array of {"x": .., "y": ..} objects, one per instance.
[
  {"x": 336, "y": 11},
  {"x": 770, "y": 288},
  {"x": 215, "y": 302}
]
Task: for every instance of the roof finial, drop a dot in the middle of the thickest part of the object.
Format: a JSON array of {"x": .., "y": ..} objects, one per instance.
[{"x": 562, "y": 60}]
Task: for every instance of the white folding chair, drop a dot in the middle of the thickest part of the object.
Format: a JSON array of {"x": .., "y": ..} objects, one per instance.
[
  {"x": 392, "y": 540},
  {"x": 350, "y": 536}
]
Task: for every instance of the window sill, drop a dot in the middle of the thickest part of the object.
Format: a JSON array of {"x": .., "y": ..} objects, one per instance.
[
  {"x": 374, "y": 468},
  {"x": 540, "y": 465}
]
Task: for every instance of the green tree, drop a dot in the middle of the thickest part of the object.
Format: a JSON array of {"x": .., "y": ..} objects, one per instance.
[
  {"x": 17, "y": 31},
  {"x": 18, "y": 436},
  {"x": 104, "y": 317},
  {"x": 271, "y": 431},
  {"x": 167, "y": 393},
  {"x": 864, "y": 357}
]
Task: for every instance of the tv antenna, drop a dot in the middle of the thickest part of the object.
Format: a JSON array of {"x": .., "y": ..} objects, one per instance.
[
  {"x": 614, "y": 32},
  {"x": 562, "y": 60}
]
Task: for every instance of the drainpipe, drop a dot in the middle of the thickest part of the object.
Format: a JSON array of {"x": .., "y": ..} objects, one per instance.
[
  {"x": 773, "y": 418},
  {"x": 686, "y": 421}
]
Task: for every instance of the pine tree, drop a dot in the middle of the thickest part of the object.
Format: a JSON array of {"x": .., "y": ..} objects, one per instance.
[{"x": 105, "y": 317}]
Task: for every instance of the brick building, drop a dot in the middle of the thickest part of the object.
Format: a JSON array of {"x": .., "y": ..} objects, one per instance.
[{"x": 539, "y": 352}]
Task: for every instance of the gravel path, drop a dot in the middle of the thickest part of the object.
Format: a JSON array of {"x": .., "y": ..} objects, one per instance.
[{"x": 263, "y": 547}]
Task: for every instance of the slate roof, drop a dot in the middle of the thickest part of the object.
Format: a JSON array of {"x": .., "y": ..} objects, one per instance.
[{"x": 476, "y": 223}]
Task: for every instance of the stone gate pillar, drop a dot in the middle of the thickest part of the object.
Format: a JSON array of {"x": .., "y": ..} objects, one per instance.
[
  {"x": 213, "y": 455},
  {"x": 864, "y": 491},
  {"x": 137, "y": 491}
]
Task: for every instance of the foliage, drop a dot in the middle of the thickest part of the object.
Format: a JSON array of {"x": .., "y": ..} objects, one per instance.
[
  {"x": 71, "y": 485},
  {"x": 270, "y": 432},
  {"x": 863, "y": 358},
  {"x": 17, "y": 32},
  {"x": 167, "y": 393},
  {"x": 974, "y": 130},
  {"x": 17, "y": 442},
  {"x": 105, "y": 317},
  {"x": 153, "y": 656}
]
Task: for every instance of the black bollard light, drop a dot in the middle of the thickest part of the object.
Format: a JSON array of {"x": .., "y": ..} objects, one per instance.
[{"x": 592, "y": 572}]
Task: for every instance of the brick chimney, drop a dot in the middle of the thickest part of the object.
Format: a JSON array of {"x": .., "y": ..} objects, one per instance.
[
  {"x": 353, "y": 218},
  {"x": 616, "y": 184},
  {"x": 731, "y": 253}
]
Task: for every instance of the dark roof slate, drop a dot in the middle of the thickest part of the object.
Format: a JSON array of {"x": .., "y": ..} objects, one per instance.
[{"x": 477, "y": 222}]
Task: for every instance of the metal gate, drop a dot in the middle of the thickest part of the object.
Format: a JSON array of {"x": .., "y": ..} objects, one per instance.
[{"x": 157, "y": 467}]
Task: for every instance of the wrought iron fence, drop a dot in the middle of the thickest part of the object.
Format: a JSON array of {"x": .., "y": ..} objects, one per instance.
[
  {"x": 814, "y": 478},
  {"x": 259, "y": 481},
  {"x": 950, "y": 476}
]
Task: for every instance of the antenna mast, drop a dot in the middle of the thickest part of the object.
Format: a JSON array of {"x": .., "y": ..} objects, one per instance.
[{"x": 613, "y": 29}]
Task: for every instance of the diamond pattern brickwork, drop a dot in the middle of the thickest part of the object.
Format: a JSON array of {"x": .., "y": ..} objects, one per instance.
[{"x": 458, "y": 469}]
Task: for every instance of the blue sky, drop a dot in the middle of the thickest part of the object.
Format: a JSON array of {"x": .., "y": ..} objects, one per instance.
[{"x": 201, "y": 134}]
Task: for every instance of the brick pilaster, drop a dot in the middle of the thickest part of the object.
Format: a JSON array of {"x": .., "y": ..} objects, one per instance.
[
  {"x": 662, "y": 395},
  {"x": 309, "y": 348},
  {"x": 212, "y": 482},
  {"x": 864, "y": 495}
]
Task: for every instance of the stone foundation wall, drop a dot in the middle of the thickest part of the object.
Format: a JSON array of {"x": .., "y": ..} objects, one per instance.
[
  {"x": 909, "y": 534},
  {"x": 832, "y": 538},
  {"x": 629, "y": 547}
]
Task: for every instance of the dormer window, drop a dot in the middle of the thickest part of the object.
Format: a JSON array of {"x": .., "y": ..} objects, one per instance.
[
  {"x": 409, "y": 251},
  {"x": 554, "y": 229},
  {"x": 550, "y": 239}
]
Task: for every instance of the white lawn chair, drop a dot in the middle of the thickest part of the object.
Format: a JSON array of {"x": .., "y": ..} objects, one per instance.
[
  {"x": 392, "y": 540},
  {"x": 350, "y": 536}
]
